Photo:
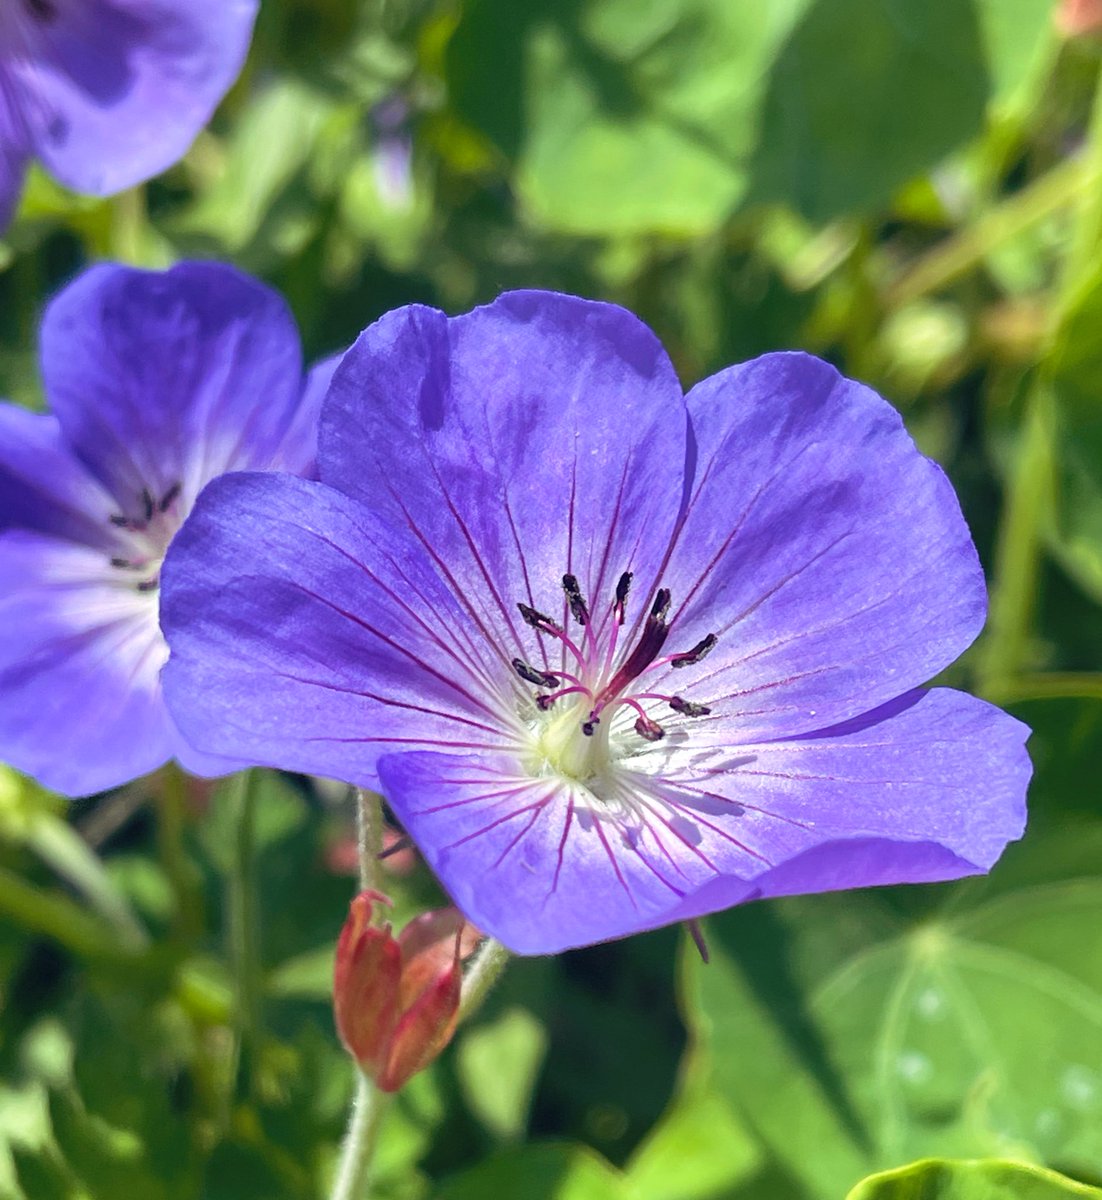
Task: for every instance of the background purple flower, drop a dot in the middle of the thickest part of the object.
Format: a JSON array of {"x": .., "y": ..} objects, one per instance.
[
  {"x": 615, "y": 655},
  {"x": 157, "y": 382},
  {"x": 108, "y": 93}
]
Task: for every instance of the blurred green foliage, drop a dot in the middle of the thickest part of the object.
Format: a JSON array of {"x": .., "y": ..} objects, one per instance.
[{"x": 913, "y": 190}]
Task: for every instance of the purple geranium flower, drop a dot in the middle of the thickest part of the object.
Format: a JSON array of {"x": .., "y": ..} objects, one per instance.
[
  {"x": 616, "y": 656},
  {"x": 158, "y": 382},
  {"x": 108, "y": 93}
]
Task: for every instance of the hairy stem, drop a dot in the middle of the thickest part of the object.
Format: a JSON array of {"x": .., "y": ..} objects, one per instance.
[
  {"x": 368, "y": 1104},
  {"x": 369, "y": 830},
  {"x": 358, "y": 1150},
  {"x": 484, "y": 971}
]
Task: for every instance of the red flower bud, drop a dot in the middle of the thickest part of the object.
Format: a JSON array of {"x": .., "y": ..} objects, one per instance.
[
  {"x": 1077, "y": 18},
  {"x": 396, "y": 1000}
]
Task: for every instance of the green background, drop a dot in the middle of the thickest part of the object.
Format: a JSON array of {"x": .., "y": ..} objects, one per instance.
[{"x": 912, "y": 190}]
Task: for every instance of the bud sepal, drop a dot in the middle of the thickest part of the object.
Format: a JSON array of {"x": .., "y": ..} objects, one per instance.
[{"x": 396, "y": 999}]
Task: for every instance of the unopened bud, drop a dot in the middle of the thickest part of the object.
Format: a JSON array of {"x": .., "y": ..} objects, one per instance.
[
  {"x": 1079, "y": 18},
  {"x": 396, "y": 999}
]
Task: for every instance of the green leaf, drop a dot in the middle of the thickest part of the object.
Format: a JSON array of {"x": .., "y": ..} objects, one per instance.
[
  {"x": 24, "y": 1131},
  {"x": 255, "y": 197},
  {"x": 698, "y": 1151},
  {"x": 914, "y": 88},
  {"x": 1020, "y": 40},
  {"x": 307, "y": 976},
  {"x": 986, "y": 1180},
  {"x": 59, "y": 845},
  {"x": 498, "y": 1064},
  {"x": 621, "y": 116},
  {"x": 539, "y": 1172},
  {"x": 854, "y": 1038}
]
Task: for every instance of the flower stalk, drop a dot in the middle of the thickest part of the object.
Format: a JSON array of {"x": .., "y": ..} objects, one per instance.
[
  {"x": 244, "y": 916},
  {"x": 358, "y": 1150},
  {"x": 397, "y": 1000}
]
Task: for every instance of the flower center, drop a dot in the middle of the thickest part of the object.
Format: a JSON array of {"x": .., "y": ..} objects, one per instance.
[
  {"x": 582, "y": 704},
  {"x": 148, "y": 536}
]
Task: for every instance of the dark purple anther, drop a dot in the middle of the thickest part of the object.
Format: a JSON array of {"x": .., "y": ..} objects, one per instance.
[
  {"x": 578, "y": 607},
  {"x": 687, "y": 708},
  {"x": 702, "y": 648},
  {"x": 531, "y": 675},
  {"x": 623, "y": 587},
  {"x": 651, "y": 730},
  {"x": 538, "y": 620},
  {"x": 170, "y": 497}
]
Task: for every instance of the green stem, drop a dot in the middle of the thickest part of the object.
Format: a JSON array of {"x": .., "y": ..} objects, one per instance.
[
  {"x": 1081, "y": 261},
  {"x": 1031, "y": 486},
  {"x": 55, "y": 916},
  {"x": 1049, "y": 686},
  {"x": 244, "y": 917},
  {"x": 369, "y": 829},
  {"x": 128, "y": 221},
  {"x": 1072, "y": 180},
  {"x": 358, "y": 1150},
  {"x": 59, "y": 845},
  {"x": 1018, "y": 553},
  {"x": 368, "y": 1104},
  {"x": 171, "y": 801},
  {"x": 483, "y": 972}
]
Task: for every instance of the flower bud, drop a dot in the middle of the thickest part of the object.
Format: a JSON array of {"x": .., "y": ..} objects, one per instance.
[
  {"x": 396, "y": 1000},
  {"x": 1079, "y": 18}
]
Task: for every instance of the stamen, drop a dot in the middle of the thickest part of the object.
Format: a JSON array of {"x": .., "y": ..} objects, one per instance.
[
  {"x": 531, "y": 675},
  {"x": 619, "y": 607},
  {"x": 119, "y": 520},
  {"x": 697, "y": 934},
  {"x": 169, "y": 496},
  {"x": 643, "y": 656},
  {"x": 538, "y": 620},
  {"x": 544, "y": 700},
  {"x": 699, "y": 651},
  {"x": 654, "y": 635},
  {"x": 150, "y": 585},
  {"x": 405, "y": 842},
  {"x": 578, "y": 607},
  {"x": 124, "y": 564},
  {"x": 651, "y": 730},
  {"x": 148, "y": 506}
]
